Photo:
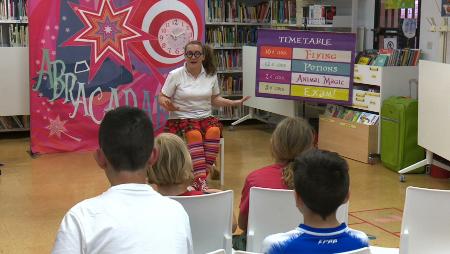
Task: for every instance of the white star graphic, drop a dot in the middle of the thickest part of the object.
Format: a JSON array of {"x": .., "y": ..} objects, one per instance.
[{"x": 108, "y": 29}]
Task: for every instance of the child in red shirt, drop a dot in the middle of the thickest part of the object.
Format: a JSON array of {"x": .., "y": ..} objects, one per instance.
[{"x": 291, "y": 137}]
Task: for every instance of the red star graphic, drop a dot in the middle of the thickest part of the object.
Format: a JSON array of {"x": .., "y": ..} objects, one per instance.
[{"x": 109, "y": 32}]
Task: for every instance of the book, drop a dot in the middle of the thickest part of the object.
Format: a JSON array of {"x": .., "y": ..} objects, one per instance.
[
  {"x": 381, "y": 60},
  {"x": 330, "y": 109},
  {"x": 356, "y": 116},
  {"x": 364, "y": 60},
  {"x": 349, "y": 115},
  {"x": 368, "y": 118}
]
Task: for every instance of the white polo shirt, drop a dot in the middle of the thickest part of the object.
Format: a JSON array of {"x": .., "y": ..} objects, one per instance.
[
  {"x": 127, "y": 218},
  {"x": 191, "y": 95}
]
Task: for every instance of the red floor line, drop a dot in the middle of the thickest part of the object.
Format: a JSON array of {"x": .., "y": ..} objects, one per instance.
[
  {"x": 356, "y": 223},
  {"x": 400, "y": 210},
  {"x": 376, "y": 226},
  {"x": 376, "y": 209}
]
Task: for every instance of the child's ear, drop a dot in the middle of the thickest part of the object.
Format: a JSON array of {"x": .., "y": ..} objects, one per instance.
[
  {"x": 153, "y": 157},
  {"x": 100, "y": 158},
  {"x": 298, "y": 200},
  {"x": 346, "y": 197}
]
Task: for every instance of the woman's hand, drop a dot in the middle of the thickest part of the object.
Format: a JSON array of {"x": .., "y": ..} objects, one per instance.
[
  {"x": 241, "y": 101},
  {"x": 167, "y": 104},
  {"x": 219, "y": 101}
]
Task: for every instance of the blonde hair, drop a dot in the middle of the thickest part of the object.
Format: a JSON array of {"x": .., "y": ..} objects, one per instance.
[
  {"x": 291, "y": 137},
  {"x": 174, "y": 165},
  {"x": 210, "y": 63}
]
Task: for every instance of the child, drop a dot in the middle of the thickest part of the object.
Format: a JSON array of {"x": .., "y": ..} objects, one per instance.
[
  {"x": 130, "y": 217},
  {"x": 321, "y": 182},
  {"x": 172, "y": 175},
  {"x": 291, "y": 137}
]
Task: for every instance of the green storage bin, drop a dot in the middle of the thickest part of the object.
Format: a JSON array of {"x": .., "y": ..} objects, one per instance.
[{"x": 399, "y": 120}]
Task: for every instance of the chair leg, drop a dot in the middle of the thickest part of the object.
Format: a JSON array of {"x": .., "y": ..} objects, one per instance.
[{"x": 222, "y": 160}]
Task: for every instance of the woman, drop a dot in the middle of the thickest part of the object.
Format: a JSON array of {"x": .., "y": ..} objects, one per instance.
[{"x": 189, "y": 94}]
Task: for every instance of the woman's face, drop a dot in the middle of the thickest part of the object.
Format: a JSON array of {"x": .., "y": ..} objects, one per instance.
[{"x": 194, "y": 56}]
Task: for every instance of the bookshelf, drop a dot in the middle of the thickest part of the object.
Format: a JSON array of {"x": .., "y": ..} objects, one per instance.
[
  {"x": 372, "y": 85},
  {"x": 14, "y": 86},
  {"x": 231, "y": 24}
]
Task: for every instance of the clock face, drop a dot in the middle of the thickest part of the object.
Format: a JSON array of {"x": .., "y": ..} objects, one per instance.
[
  {"x": 173, "y": 35},
  {"x": 174, "y": 23}
]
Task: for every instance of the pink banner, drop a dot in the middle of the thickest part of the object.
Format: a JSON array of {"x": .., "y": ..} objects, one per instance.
[{"x": 91, "y": 56}]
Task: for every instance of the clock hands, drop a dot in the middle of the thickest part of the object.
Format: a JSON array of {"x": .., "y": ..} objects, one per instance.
[
  {"x": 175, "y": 36},
  {"x": 178, "y": 35}
]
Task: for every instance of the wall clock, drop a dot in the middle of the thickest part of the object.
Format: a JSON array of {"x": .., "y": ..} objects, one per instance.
[
  {"x": 173, "y": 35},
  {"x": 175, "y": 23}
]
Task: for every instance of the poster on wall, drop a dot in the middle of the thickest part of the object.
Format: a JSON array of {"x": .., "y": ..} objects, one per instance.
[
  {"x": 305, "y": 65},
  {"x": 90, "y": 56},
  {"x": 398, "y": 4}
]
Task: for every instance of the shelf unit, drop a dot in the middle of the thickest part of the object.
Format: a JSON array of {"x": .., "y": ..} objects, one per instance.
[
  {"x": 227, "y": 35},
  {"x": 228, "y": 28},
  {"x": 14, "y": 85},
  {"x": 380, "y": 83}
]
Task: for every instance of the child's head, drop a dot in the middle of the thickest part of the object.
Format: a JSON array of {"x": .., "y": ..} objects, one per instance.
[
  {"x": 126, "y": 139},
  {"x": 291, "y": 138},
  {"x": 322, "y": 181},
  {"x": 174, "y": 165}
]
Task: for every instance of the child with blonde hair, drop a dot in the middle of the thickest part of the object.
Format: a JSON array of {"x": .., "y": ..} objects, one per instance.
[{"x": 172, "y": 175}]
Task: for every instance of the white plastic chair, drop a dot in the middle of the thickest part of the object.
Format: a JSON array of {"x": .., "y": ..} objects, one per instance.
[
  {"x": 222, "y": 160},
  {"x": 274, "y": 211},
  {"x": 221, "y": 251},
  {"x": 383, "y": 250},
  {"x": 361, "y": 251},
  {"x": 210, "y": 217},
  {"x": 426, "y": 221}
]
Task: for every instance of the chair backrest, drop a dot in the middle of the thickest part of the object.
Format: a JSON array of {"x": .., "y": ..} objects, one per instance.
[
  {"x": 426, "y": 221},
  {"x": 221, "y": 251},
  {"x": 210, "y": 216},
  {"x": 245, "y": 252},
  {"x": 361, "y": 251},
  {"x": 274, "y": 211}
]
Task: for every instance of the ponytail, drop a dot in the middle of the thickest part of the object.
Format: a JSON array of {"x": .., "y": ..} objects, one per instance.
[
  {"x": 210, "y": 60},
  {"x": 288, "y": 175},
  {"x": 209, "y": 63}
]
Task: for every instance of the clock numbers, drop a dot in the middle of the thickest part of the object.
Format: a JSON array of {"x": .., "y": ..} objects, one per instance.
[
  {"x": 173, "y": 35},
  {"x": 174, "y": 23}
]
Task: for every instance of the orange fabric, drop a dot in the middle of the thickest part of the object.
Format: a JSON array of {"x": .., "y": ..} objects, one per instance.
[
  {"x": 194, "y": 136},
  {"x": 212, "y": 133}
]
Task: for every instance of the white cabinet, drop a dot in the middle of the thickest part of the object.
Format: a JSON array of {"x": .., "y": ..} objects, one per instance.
[
  {"x": 380, "y": 84},
  {"x": 14, "y": 82}
]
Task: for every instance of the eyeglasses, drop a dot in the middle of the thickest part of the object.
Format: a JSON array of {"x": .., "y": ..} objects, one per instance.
[{"x": 190, "y": 54}]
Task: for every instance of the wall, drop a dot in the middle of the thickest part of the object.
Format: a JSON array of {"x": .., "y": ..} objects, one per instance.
[{"x": 429, "y": 41}]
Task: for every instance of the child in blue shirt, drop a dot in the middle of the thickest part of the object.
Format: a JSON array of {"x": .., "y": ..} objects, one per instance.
[{"x": 321, "y": 182}]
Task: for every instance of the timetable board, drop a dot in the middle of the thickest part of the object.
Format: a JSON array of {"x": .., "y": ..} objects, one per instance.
[{"x": 305, "y": 65}]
